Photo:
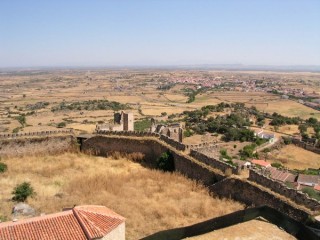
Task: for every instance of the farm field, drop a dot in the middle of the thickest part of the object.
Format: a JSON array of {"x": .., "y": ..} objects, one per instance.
[
  {"x": 150, "y": 200},
  {"x": 137, "y": 88},
  {"x": 295, "y": 157},
  {"x": 289, "y": 108}
]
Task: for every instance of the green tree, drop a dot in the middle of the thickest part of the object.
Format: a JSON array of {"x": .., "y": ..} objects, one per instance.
[
  {"x": 312, "y": 121},
  {"x": 166, "y": 162},
  {"x": 3, "y": 167},
  {"x": 61, "y": 125},
  {"x": 22, "y": 120},
  {"x": 22, "y": 191}
]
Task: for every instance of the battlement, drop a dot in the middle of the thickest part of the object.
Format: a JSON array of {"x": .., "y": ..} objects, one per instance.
[
  {"x": 29, "y": 134},
  {"x": 279, "y": 187}
]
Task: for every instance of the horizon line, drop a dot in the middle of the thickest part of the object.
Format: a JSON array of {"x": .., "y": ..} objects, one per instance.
[{"x": 237, "y": 66}]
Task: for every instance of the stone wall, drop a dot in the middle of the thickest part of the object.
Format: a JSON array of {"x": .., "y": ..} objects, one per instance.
[
  {"x": 278, "y": 187},
  {"x": 38, "y": 145},
  {"x": 152, "y": 149},
  {"x": 106, "y": 145},
  {"x": 33, "y": 134},
  {"x": 305, "y": 145},
  {"x": 197, "y": 168},
  {"x": 177, "y": 145},
  {"x": 215, "y": 163},
  {"x": 191, "y": 169},
  {"x": 245, "y": 192}
]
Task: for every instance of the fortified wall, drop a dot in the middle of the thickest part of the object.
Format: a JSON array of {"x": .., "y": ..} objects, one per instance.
[
  {"x": 198, "y": 167},
  {"x": 245, "y": 192},
  {"x": 305, "y": 145},
  {"x": 215, "y": 163},
  {"x": 177, "y": 145},
  {"x": 152, "y": 149},
  {"x": 34, "y": 134},
  {"x": 195, "y": 166},
  {"x": 278, "y": 187},
  {"x": 37, "y": 144}
]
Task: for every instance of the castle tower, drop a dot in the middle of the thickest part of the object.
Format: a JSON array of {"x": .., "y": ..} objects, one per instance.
[
  {"x": 128, "y": 122},
  {"x": 117, "y": 118}
]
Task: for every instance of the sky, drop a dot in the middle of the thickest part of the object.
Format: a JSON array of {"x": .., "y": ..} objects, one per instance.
[{"x": 159, "y": 32}]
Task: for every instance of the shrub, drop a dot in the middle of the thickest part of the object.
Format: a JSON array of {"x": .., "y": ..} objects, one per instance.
[
  {"x": 142, "y": 125},
  {"x": 61, "y": 125},
  {"x": 277, "y": 165},
  {"x": 22, "y": 120},
  {"x": 187, "y": 133},
  {"x": 16, "y": 130},
  {"x": 166, "y": 162},
  {"x": 3, "y": 167},
  {"x": 312, "y": 193},
  {"x": 22, "y": 191},
  {"x": 224, "y": 154},
  {"x": 3, "y": 218},
  {"x": 287, "y": 140}
]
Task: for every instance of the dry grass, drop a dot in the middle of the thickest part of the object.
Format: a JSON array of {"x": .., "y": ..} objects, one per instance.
[
  {"x": 295, "y": 157},
  {"x": 253, "y": 229},
  {"x": 150, "y": 200},
  {"x": 289, "y": 108}
]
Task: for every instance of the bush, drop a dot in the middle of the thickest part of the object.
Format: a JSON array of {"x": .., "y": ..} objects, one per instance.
[
  {"x": 16, "y": 130},
  {"x": 142, "y": 125},
  {"x": 22, "y": 191},
  {"x": 312, "y": 193},
  {"x": 3, "y": 167},
  {"x": 22, "y": 120},
  {"x": 61, "y": 125},
  {"x": 287, "y": 140},
  {"x": 224, "y": 154},
  {"x": 277, "y": 165},
  {"x": 187, "y": 133},
  {"x": 166, "y": 162}
]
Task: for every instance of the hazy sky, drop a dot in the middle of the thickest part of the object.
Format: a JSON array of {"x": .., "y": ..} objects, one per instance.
[{"x": 159, "y": 32}]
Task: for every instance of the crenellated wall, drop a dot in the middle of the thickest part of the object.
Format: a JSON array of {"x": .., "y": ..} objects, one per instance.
[
  {"x": 152, "y": 149},
  {"x": 305, "y": 145},
  {"x": 37, "y": 145},
  {"x": 245, "y": 192},
  {"x": 198, "y": 167},
  {"x": 213, "y": 162},
  {"x": 177, "y": 145},
  {"x": 33, "y": 134},
  {"x": 278, "y": 187}
]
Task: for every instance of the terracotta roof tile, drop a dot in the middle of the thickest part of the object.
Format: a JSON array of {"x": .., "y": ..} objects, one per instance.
[
  {"x": 80, "y": 223},
  {"x": 62, "y": 225},
  {"x": 97, "y": 221},
  {"x": 262, "y": 163}
]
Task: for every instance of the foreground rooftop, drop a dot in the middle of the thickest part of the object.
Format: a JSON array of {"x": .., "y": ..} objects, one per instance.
[{"x": 79, "y": 223}]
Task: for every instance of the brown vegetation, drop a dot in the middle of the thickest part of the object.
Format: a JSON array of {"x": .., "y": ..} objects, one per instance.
[
  {"x": 150, "y": 200},
  {"x": 295, "y": 157}
]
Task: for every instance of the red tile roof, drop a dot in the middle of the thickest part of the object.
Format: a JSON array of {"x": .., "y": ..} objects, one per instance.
[
  {"x": 317, "y": 187},
  {"x": 97, "y": 221},
  {"x": 281, "y": 175},
  {"x": 80, "y": 223},
  {"x": 262, "y": 163}
]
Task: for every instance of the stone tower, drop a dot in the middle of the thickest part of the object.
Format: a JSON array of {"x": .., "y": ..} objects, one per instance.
[{"x": 128, "y": 121}]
